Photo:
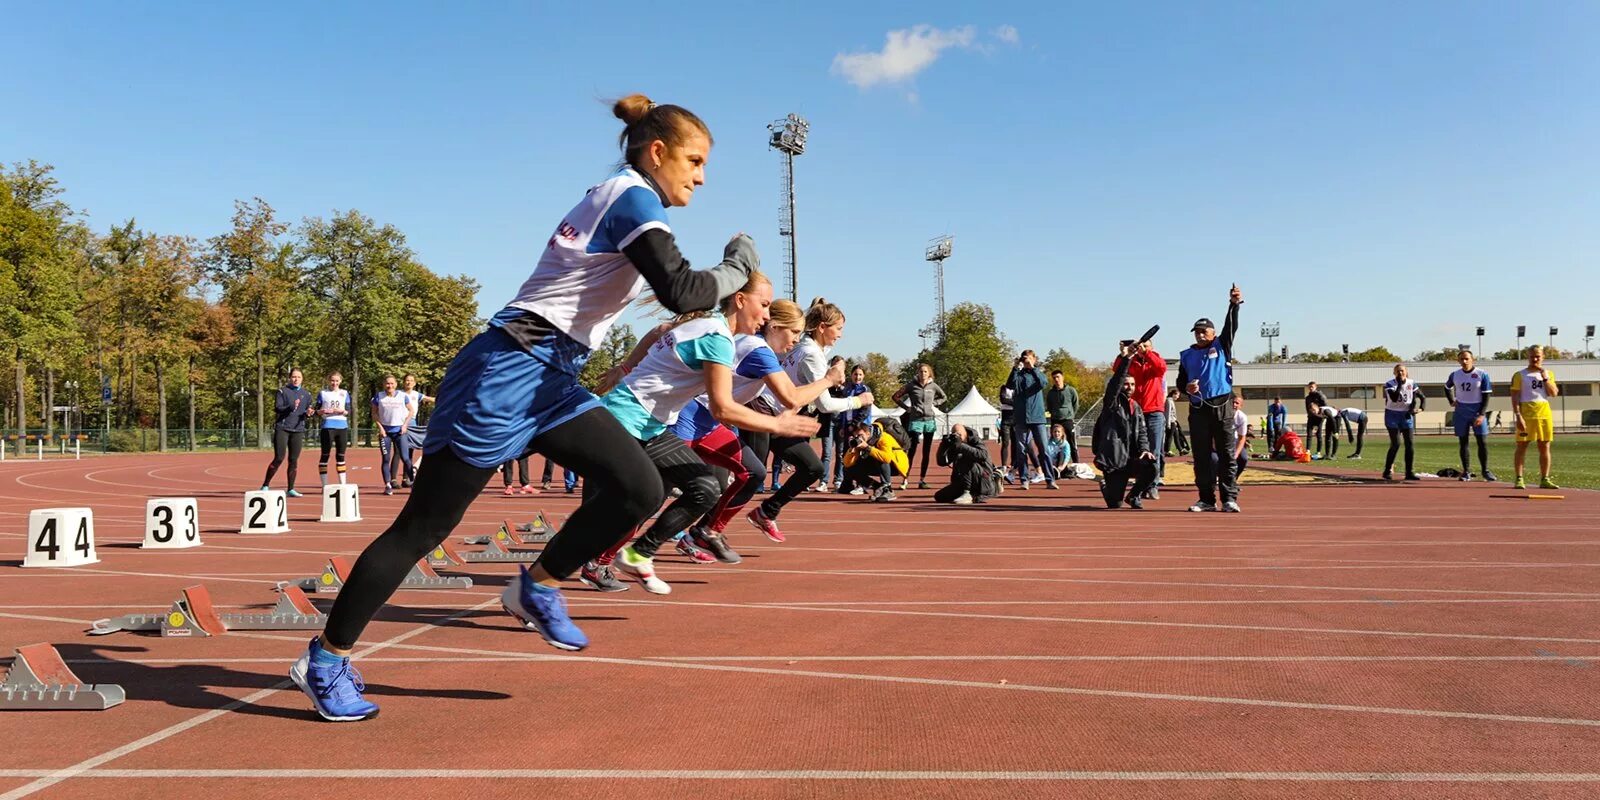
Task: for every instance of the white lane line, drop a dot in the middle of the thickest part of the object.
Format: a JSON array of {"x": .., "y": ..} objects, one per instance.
[
  {"x": 1123, "y": 622},
  {"x": 56, "y": 776},
  {"x": 1384, "y": 601},
  {"x": 1553, "y": 659},
  {"x": 832, "y": 775}
]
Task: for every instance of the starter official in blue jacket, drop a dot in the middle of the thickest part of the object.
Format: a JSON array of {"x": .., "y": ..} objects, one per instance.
[{"x": 1205, "y": 374}]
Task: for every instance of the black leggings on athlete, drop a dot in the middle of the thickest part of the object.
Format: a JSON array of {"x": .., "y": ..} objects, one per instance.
[
  {"x": 621, "y": 489},
  {"x": 1483, "y": 454},
  {"x": 798, "y": 453},
  {"x": 680, "y": 467},
  {"x": 289, "y": 442},
  {"x": 1395, "y": 435},
  {"x": 911, "y": 452},
  {"x": 522, "y": 471},
  {"x": 335, "y": 440}
]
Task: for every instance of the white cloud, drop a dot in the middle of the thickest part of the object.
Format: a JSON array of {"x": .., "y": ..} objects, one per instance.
[
  {"x": 905, "y": 53},
  {"x": 1006, "y": 34}
]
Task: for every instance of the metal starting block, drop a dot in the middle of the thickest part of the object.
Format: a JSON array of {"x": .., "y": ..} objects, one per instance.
[
  {"x": 447, "y": 555},
  {"x": 194, "y": 615},
  {"x": 39, "y": 680},
  {"x": 538, "y": 531},
  {"x": 421, "y": 576}
]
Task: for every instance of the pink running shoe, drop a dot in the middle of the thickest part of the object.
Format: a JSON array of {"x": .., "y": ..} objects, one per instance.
[
  {"x": 527, "y": 488},
  {"x": 695, "y": 554},
  {"x": 511, "y": 491},
  {"x": 765, "y": 525}
]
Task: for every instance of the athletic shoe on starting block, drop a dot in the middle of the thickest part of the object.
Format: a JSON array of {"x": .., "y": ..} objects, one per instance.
[
  {"x": 421, "y": 576},
  {"x": 341, "y": 502},
  {"x": 539, "y": 531},
  {"x": 265, "y": 511},
  {"x": 40, "y": 681},
  {"x": 171, "y": 523},
  {"x": 60, "y": 537},
  {"x": 193, "y": 614}
]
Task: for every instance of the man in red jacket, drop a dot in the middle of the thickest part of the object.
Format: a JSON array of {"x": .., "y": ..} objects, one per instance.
[{"x": 1149, "y": 372}]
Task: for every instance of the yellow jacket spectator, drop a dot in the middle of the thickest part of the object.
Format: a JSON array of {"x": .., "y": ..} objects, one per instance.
[{"x": 873, "y": 456}]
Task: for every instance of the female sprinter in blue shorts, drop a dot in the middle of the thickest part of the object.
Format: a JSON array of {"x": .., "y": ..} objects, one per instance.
[{"x": 514, "y": 389}]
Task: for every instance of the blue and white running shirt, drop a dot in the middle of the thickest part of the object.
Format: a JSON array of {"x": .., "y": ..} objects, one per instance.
[
  {"x": 753, "y": 361},
  {"x": 583, "y": 282},
  {"x": 669, "y": 376},
  {"x": 1398, "y": 395},
  {"x": 1470, "y": 388},
  {"x": 334, "y": 400}
]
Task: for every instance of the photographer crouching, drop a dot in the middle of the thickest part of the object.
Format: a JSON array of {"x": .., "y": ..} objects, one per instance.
[
  {"x": 972, "y": 478},
  {"x": 1121, "y": 441},
  {"x": 874, "y": 457}
]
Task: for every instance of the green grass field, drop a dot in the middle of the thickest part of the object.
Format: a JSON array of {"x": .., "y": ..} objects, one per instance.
[{"x": 1576, "y": 457}]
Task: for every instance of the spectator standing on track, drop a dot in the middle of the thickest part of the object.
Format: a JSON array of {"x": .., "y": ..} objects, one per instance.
[
  {"x": 292, "y": 405},
  {"x": 1205, "y": 372},
  {"x": 1149, "y": 372},
  {"x": 1061, "y": 402},
  {"x": 1122, "y": 440},
  {"x": 1277, "y": 423},
  {"x": 1004, "y": 427},
  {"x": 1240, "y": 453},
  {"x": 1402, "y": 399},
  {"x": 1531, "y": 390},
  {"x": 333, "y": 406},
  {"x": 972, "y": 478},
  {"x": 569, "y": 477},
  {"x": 844, "y": 422},
  {"x": 1468, "y": 389},
  {"x": 921, "y": 399},
  {"x": 409, "y": 387},
  {"x": 1313, "y": 419},
  {"x": 1355, "y": 427},
  {"x": 1175, "y": 437},
  {"x": 828, "y": 433},
  {"x": 392, "y": 410},
  {"x": 1027, "y": 384}
]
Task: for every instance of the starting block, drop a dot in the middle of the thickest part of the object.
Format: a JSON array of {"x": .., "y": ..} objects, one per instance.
[
  {"x": 60, "y": 537},
  {"x": 421, "y": 576},
  {"x": 194, "y": 615},
  {"x": 40, "y": 681},
  {"x": 448, "y": 555},
  {"x": 171, "y": 523},
  {"x": 539, "y": 531},
  {"x": 265, "y": 512}
]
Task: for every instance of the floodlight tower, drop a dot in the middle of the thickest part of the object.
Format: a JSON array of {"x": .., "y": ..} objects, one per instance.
[
  {"x": 788, "y": 137},
  {"x": 938, "y": 250},
  {"x": 1269, "y": 331}
]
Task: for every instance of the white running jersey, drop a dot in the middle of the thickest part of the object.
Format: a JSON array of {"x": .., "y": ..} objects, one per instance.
[
  {"x": 1471, "y": 388},
  {"x": 1353, "y": 414},
  {"x": 753, "y": 361},
  {"x": 416, "y": 400},
  {"x": 1527, "y": 387},
  {"x": 334, "y": 400},
  {"x": 393, "y": 409},
  {"x": 583, "y": 282},
  {"x": 1406, "y": 392},
  {"x": 670, "y": 374}
]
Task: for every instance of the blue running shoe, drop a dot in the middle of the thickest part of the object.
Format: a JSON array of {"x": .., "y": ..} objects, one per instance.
[
  {"x": 544, "y": 611},
  {"x": 294, "y": 493},
  {"x": 334, "y": 686}
]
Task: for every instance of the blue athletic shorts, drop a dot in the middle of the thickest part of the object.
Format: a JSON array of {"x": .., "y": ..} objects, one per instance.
[
  {"x": 1399, "y": 420},
  {"x": 1465, "y": 414},
  {"x": 496, "y": 397}
]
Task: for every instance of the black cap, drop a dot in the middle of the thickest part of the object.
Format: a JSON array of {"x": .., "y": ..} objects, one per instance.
[{"x": 1203, "y": 322}]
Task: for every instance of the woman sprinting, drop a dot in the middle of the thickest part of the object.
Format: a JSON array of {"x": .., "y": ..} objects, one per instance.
[
  {"x": 693, "y": 358},
  {"x": 1402, "y": 399},
  {"x": 514, "y": 389},
  {"x": 756, "y": 370},
  {"x": 805, "y": 364},
  {"x": 921, "y": 398}
]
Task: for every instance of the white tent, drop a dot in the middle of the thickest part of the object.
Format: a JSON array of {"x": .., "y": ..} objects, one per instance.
[{"x": 976, "y": 413}]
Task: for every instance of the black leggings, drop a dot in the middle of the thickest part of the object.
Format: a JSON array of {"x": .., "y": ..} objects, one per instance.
[
  {"x": 522, "y": 471},
  {"x": 287, "y": 442},
  {"x": 678, "y": 466},
  {"x": 1483, "y": 454},
  {"x": 334, "y": 440},
  {"x": 911, "y": 452},
  {"x": 798, "y": 453},
  {"x": 621, "y": 489},
  {"x": 1395, "y": 435}
]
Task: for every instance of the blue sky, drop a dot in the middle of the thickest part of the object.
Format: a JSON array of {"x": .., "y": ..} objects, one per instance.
[{"x": 1370, "y": 173}]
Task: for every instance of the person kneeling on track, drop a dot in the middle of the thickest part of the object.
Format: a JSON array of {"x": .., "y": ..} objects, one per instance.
[
  {"x": 972, "y": 477},
  {"x": 874, "y": 458},
  {"x": 1122, "y": 441}
]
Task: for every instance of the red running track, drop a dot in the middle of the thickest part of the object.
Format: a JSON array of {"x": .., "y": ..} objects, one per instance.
[{"x": 1352, "y": 641}]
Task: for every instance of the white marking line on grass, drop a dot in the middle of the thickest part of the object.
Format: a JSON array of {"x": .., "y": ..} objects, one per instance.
[
  {"x": 606, "y": 775},
  {"x": 56, "y": 776},
  {"x": 1185, "y": 584},
  {"x": 1126, "y": 622}
]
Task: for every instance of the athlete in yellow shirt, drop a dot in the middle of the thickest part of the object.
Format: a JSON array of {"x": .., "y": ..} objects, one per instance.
[{"x": 1531, "y": 390}]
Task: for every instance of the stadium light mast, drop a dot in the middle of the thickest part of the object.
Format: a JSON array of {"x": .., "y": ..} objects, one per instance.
[
  {"x": 788, "y": 137},
  {"x": 1588, "y": 335},
  {"x": 1269, "y": 331},
  {"x": 1522, "y": 330},
  {"x": 1553, "y": 333},
  {"x": 938, "y": 250},
  {"x": 1479, "y": 352}
]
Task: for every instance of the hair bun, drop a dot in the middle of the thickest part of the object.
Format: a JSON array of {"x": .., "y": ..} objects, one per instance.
[
  {"x": 818, "y": 300},
  {"x": 632, "y": 108}
]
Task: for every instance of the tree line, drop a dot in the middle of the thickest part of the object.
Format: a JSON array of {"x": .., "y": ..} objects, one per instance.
[{"x": 173, "y": 330}]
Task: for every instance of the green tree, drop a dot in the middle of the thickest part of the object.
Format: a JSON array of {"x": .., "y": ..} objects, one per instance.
[
  {"x": 613, "y": 350},
  {"x": 1446, "y": 354},
  {"x": 1090, "y": 381},
  {"x": 883, "y": 378},
  {"x": 972, "y": 352},
  {"x": 38, "y": 283},
  {"x": 1376, "y": 354},
  {"x": 440, "y": 313},
  {"x": 164, "y": 286},
  {"x": 257, "y": 277}
]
